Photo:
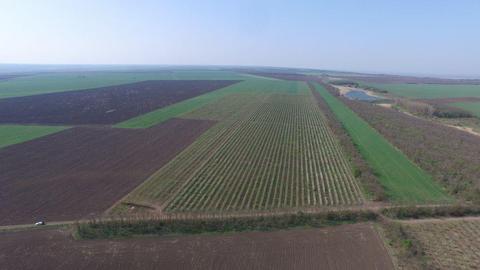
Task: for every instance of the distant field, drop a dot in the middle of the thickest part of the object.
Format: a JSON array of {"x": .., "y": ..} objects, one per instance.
[
  {"x": 449, "y": 244},
  {"x": 13, "y": 134},
  {"x": 252, "y": 84},
  {"x": 402, "y": 180},
  {"x": 104, "y": 105},
  {"x": 272, "y": 149},
  {"x": 68, "y": 81},
  {"x": 473, "y": 107},
  {"x": 428, "y": 90}
]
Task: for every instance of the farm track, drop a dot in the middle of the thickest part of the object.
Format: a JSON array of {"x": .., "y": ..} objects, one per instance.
[
  {"x": 104, "y": 105},
  {"x": 80, "y": 172}
]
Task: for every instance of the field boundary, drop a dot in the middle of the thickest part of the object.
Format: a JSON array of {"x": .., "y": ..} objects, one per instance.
[{"x": 127, "y": 227}]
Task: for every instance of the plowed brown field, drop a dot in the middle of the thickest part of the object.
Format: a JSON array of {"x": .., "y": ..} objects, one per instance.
[
  {"x": 104, "y": 105},
  {"x": 344, "y": 247},
  {"x": 82, "y": 171}
]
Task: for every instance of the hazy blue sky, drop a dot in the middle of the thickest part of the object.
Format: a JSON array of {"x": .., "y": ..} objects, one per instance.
[{"x": 422, "y": 36}]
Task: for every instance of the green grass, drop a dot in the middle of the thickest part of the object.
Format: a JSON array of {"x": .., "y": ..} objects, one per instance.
[
  {"x": 428, "y": 90},
  {"x": 13, "y": 134},
  {"x": 69, "y": 81},
  {"x": 473, "y": 107},
  {"x": 403, "y": 181},
  {"x": 249, "y": 85}
]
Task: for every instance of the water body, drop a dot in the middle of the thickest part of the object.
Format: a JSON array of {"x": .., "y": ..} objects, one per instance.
[{"x": 360, "y": 95}]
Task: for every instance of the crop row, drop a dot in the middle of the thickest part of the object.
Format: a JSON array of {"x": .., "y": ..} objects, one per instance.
[{"x": 283, "y": 155}]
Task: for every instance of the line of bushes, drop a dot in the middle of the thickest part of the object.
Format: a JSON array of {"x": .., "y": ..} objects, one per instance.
[
  {"x": 344, "y": 83},
  {"x": 417, "y": 212},
  {"x": 445, "y": 111},
  {"x": 119, "y": 228}
]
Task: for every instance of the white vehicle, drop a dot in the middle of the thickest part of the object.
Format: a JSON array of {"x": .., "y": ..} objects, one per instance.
[{"x": 39, "y": 223}]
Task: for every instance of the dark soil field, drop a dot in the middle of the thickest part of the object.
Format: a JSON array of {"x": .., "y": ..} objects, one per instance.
[
  {"x": 105, "y": 105},
  {"x": 83, "y": 171},
  {"x": 344, "y": 247}
]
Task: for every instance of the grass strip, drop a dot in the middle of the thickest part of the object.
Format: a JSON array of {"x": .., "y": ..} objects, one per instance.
[{"x": 13, "y": 134}]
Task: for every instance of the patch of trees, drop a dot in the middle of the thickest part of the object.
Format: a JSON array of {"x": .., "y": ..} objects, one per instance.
[
  {"x": 444, "y": 111},
  {"x": 415, "y": 107},
  {"x": 344, "y": 83},
  {"x": 429, "y": 110}
]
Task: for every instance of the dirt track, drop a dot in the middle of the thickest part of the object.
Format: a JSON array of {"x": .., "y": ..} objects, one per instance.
[
  {"x": 82, "y": 171},
  {"x": 344, "y": 247},
  {"x": 105, "y": 105}
]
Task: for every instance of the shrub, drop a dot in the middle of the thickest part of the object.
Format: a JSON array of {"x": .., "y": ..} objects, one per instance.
[
  {"x": 416, "y": 212},
  {"x": 127, "y": 227},
  {"x": 444, "y": 111}
]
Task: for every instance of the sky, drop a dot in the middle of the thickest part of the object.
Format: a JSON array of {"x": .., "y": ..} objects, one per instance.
[{"x": 427, "y": 37}]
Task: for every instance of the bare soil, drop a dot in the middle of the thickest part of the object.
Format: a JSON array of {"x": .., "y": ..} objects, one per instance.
[
  {"x": 82, "y": 171},
  {"x": 105, "y": 105},
  {"x": 344, "y": 247}
]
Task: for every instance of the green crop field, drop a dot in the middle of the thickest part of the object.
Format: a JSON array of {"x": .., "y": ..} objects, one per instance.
[
  {"x": 13, "y": 134},
  {"x": 428, "y": 90},
  {"x": 271, "y": 149},
  {"x": 403, "y": 181},
  {"x": 69, "y": 81},
  {"x": 473, "y": 107}
]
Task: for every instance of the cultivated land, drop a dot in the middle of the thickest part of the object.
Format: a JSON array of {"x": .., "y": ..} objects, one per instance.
[
  {"x": 186, "y": 106},
  {"x": 345, "y": 247},
  {"x": 403, "y": 181},
  {"x": 82, "y": 171},
  {"x": 107, "y": 105},
  {"x": 13, "y": 134},
  {"x": 448, "y": 244},
  {"x": 254, "y": 153},
  {"x": 272, "y": 149},
  {"x": 68, "y": 81}
]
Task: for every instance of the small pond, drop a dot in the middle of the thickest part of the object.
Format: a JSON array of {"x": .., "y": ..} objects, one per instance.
[{"x": 360, "y": 95}]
